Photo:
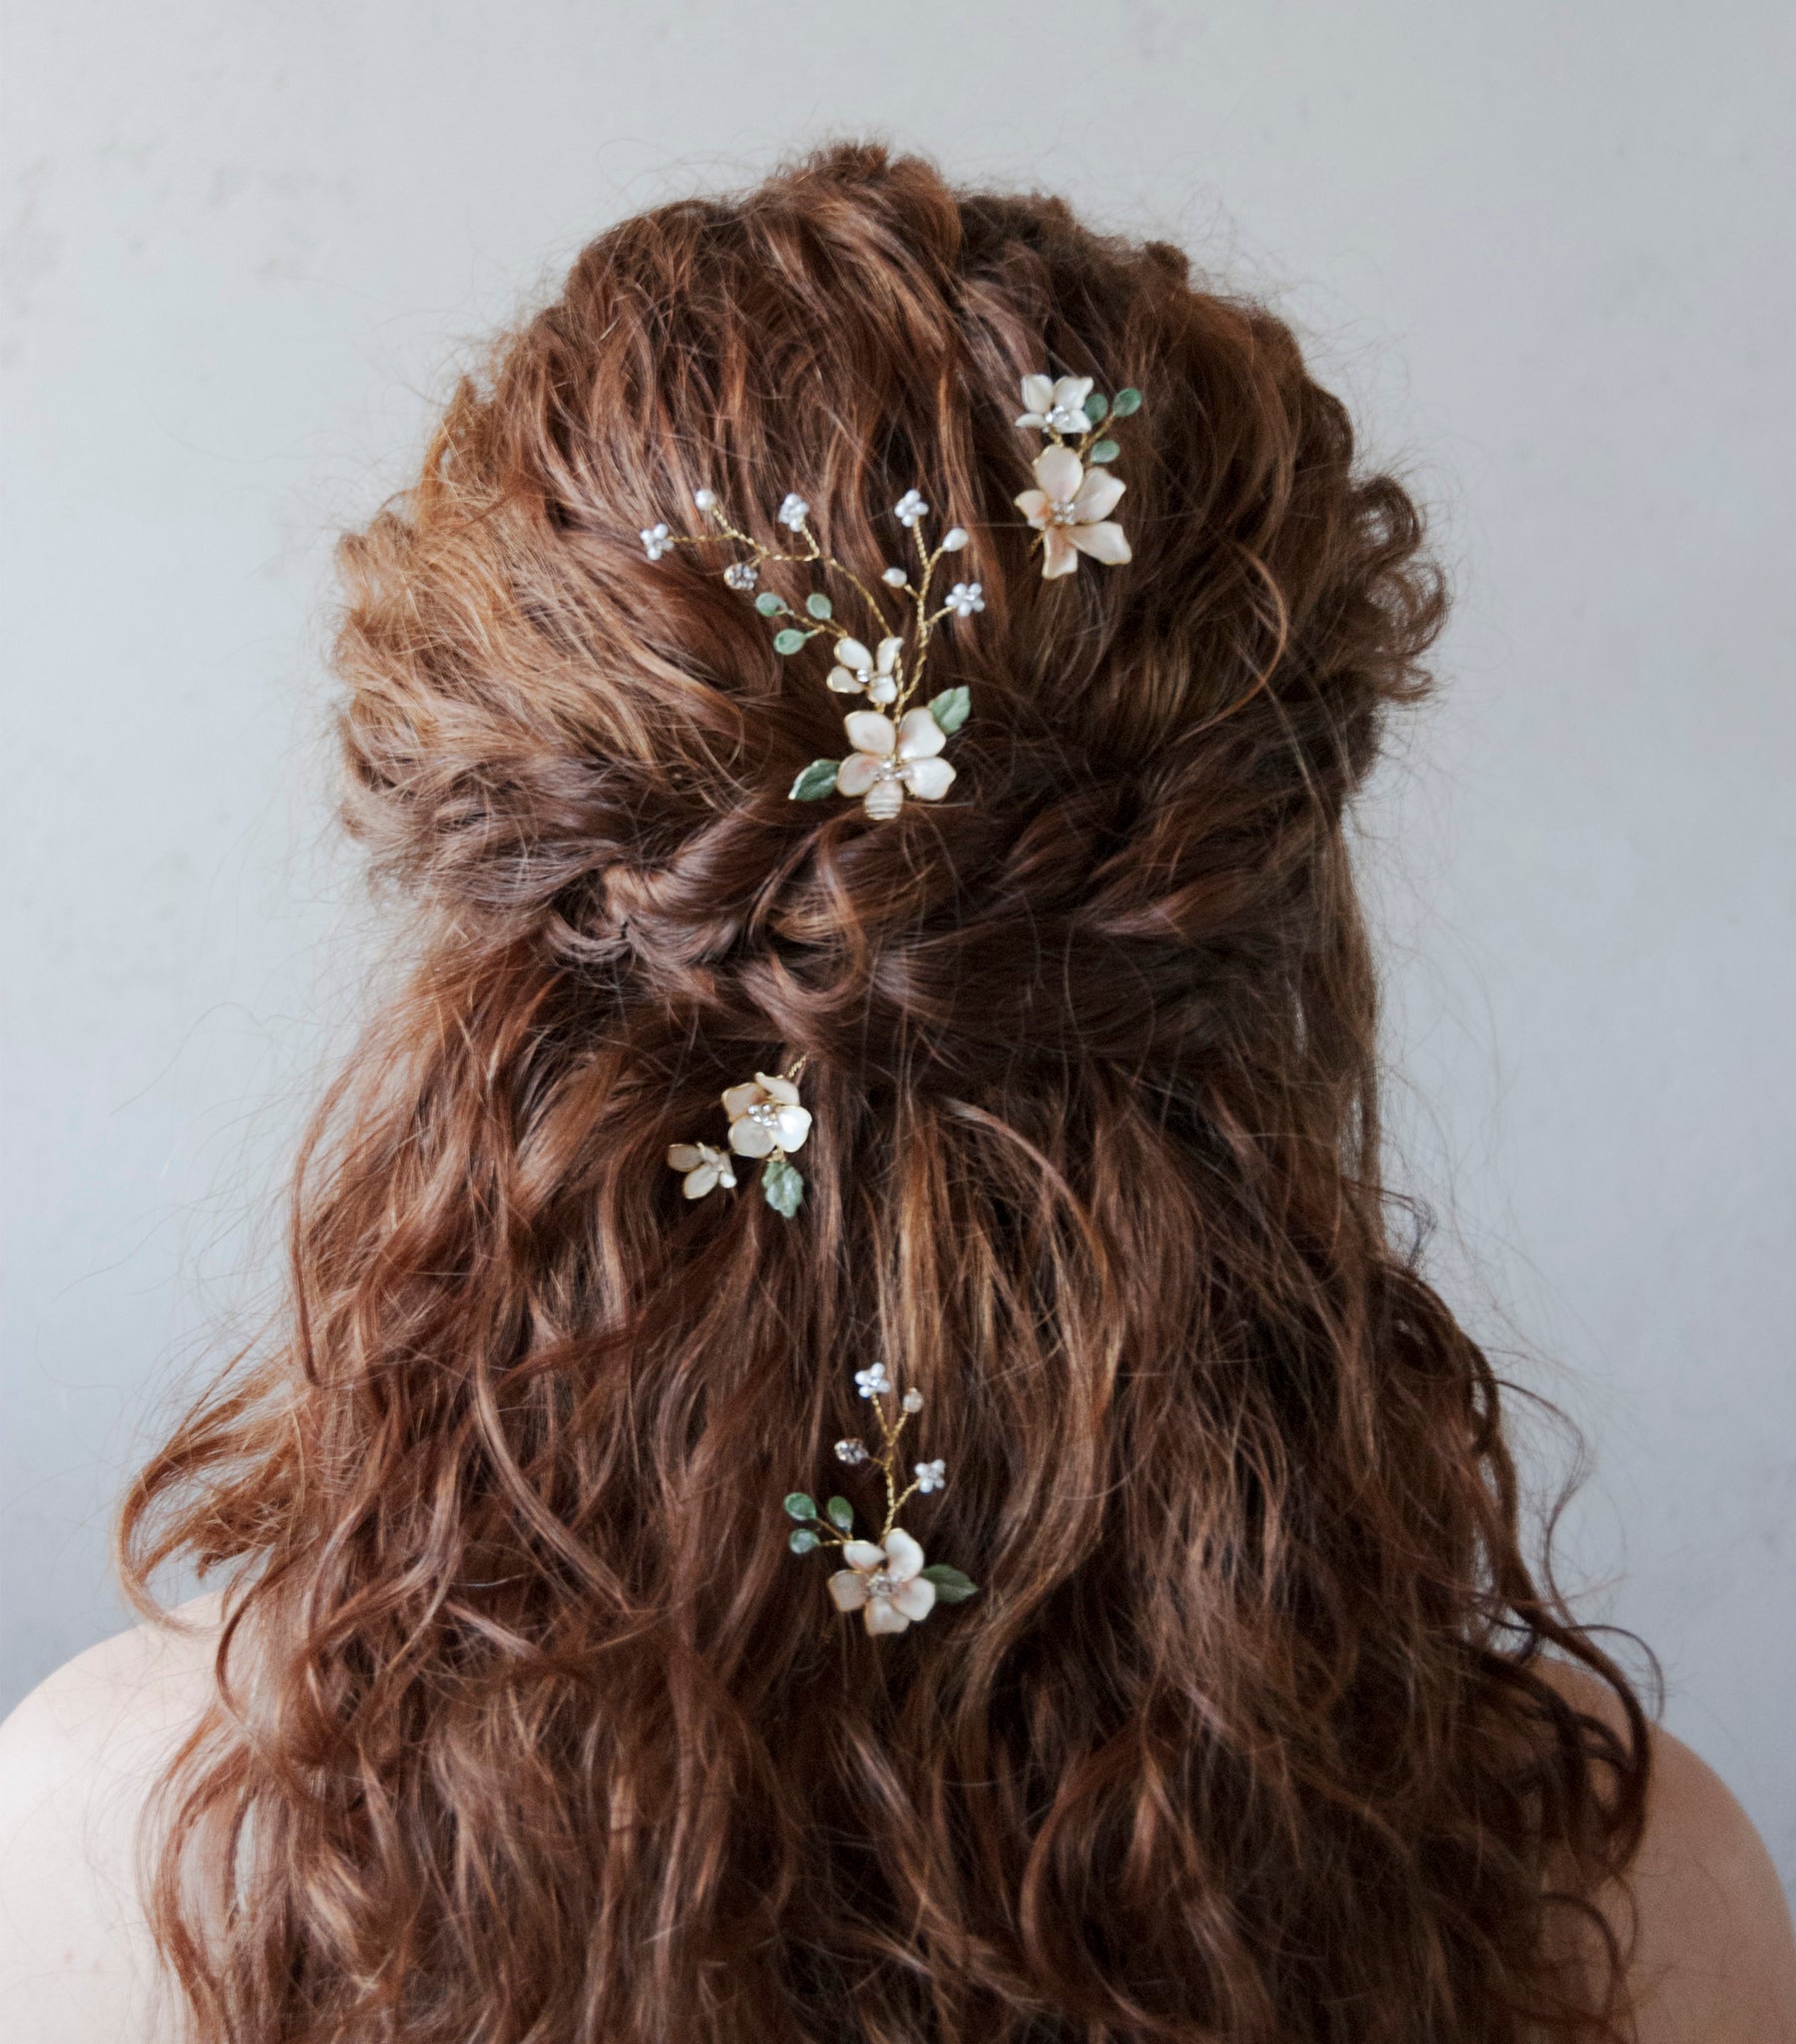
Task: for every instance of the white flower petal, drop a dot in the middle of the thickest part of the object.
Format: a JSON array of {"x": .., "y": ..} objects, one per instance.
[
  {"x": 889, "y": 650},
  {"x": 928, "y": 780},
  {"x": 848, "y": 1590},
  {"x": 1034, "y": 419},
  {"x": 776, "y": 1087},
  {"x": 854, "y": 776},
  {"x": 842, "y": 682},
  {"x": 697, "y": 1183},
  {"x": 791, "y": 1126},
  {"x": 851, "y": 652},
  {"x": 738, "y": 1100},
  {"x": 1034, "y": 506},
  {"x": 904, "y": 1557},
  {"x": 750, "y": 1139},
  {"x": 919, "y": 735},
  {"x": 862, "y": 1554},
  {"x": 685, "y": 1156},
  {"x": 884, "y": 798},
  {"x": 916, "y": 1599},
  {"x": 870, "y": 732},
  {"x": 1073, "y": 391},
  {"x": 1038, "y": 393},
  {"x": 883, "y": 1615},
  {"x": 1098, "y": 496},
  {"x": 1107, "y": 543},
  {"x": 1058, "y": 555},
  {"x": 1060, "y": 472}
]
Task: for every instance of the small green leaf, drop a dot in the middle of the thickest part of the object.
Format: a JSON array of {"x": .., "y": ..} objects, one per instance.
[
  {"x": 801, "y": 1540},
  {"x": 800, "y": 1504},
  {"x": 768, "y": 603},
  {"x": 841, "y": 1514},
  {"x": 951, "y": 1586},
  {"x": 1124, "y": 402},
  {"x": 782, "y": 1186},
  {"x": 950, "y": 709},
  {"x": 1096, "y": 407},
  {"x": 788, "y": 641},
  {"x": 819, "y": 605},
  {"x": 817, "y": 781},
  {"x": 1105, "y": 450}
]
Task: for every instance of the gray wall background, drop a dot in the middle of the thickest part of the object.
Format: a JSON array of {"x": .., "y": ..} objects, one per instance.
[{"x": 1545, "y": 249}]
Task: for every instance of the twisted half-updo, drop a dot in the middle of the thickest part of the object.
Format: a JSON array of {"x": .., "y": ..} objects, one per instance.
[{"x": 544, "y": 1736}]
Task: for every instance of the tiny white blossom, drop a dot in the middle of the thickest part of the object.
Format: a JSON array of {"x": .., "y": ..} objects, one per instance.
[
  {"x": 656, "y": 540},
  {"x": 742, "y": 574},
  {"x": 794, "y": 511},
  {"x": 874, "y": 1383},
  {"x": 895, "y": 577},
  {"x": 931, "y": 1475},
  {"x": 954, "y": 539},
  {"x": 910, "y": 509},
  {"x": 964, "y": 598},
  {"x": 851, "y": 1451},
  {"x": 913, "y": 1400},
  {"x": 704, "y": 1165},
  {"x": 706, "y": 500}
]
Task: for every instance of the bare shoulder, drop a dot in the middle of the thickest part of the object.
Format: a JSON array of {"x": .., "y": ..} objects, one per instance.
[
  {"x": 1715, "y": 1958},
  {"x": 78, "y": 1760}
]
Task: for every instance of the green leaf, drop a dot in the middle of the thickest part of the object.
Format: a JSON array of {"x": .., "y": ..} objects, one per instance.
[
  {"x": 1096, "y": 407},
  {"x": 951, "y": 1586},
  {"x": 1124, "y": 402},
  {"x": 950, "y": 709},
  {"x": 782, "y": 1186},
  {"x": 817, "y": 781},
  {"x": 768, "y": 603},
  {"x": 1105, "y": 450},
  {"x": 819, "y": 605},
  {"x": 841, "y": 1514},
  {"x": 801, "y": 1540},
  {"x": 800, "y": 1504},
  {"x": 788, "y": 641}
]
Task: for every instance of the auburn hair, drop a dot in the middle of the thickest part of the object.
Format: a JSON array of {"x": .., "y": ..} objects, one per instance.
[{"x": 528, "y": 1727}]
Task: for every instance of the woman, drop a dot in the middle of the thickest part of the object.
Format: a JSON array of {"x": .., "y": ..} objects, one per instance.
[{"x": 864, "y": 698}]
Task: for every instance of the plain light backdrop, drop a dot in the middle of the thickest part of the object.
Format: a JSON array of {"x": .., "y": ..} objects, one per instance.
[{"x": 1544, "y": 250}]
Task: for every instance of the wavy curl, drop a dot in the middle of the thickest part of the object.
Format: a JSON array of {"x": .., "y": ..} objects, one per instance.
[{"x": 543, "y": 1735}]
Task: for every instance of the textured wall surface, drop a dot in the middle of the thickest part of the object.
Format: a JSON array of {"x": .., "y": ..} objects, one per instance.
[{"x": 1543, "y": 250}]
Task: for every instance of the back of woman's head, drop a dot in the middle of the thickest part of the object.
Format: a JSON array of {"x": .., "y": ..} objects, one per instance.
[{"x": 551, "y": 1735}]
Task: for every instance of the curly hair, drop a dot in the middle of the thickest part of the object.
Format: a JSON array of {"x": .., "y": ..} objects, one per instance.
[{"x": 544, "y": 1737}]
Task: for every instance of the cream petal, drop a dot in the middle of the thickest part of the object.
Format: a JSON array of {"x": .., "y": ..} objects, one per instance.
[
  {"x": 848, "y": 1590},
  {"x": 1098, "y": 496},
  {"x": 882, "y": 690},
  {"x": 887, "y": 658},
  {"x": 1037, "y": 393},
  {"x": 919, "y": 735},
  {"x": 778, "y": 1088},
  {"x": 842, "y": 682},
  {"x": 685, "y": 1156},
  {"x": 916, "y": 1599},
  {"x": 1060, "y": 472},
  {"x": 884, "y": 798},
  {"x": 738, "y": 1100},
  {"x": 928, "y": 780},
  {"x": 856, "y": 776},
  {"x": 1072, "y": 391},
  {"x": 750, "y": 1139},
  {"x": 903, "y": 1554},
  {"x": 883, "y": 1615},
  {"x": 697, "y": 1183},
  {"x": 851, "y": 652},
  {"x": 1107, "y": 543},
  {"x": 862, "y": 1554},
  {"x": 1058, "y": 555},
  {"x": 870, "y": 732},
  {"x": 1030, "y": 420},
  {"x": 793, "y": 1127},
  {"x": 1034, "y": 506}
]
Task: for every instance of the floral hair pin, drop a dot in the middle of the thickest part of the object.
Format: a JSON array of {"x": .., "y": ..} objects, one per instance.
[
  {"x": 765, "y": 1121},
  {"x": 895, "y": 747},
  {"x": 885, "y": 1580},
  {"x": 1074, "y": 493}
]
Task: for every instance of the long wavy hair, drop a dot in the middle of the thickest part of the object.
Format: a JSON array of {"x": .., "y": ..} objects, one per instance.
[{"x": 528, "y": 1727}]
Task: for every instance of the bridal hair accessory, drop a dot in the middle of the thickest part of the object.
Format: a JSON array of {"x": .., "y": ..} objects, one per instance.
[
  {"x": 885, "y": 1580},
  {"x": 896, "y": 743},
  {"x": 765, "y": 1121}
]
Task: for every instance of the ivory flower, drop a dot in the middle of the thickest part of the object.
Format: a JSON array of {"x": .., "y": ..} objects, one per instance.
[
  {"x": 884, "y": 1583},
  {"x": 964, "y": 598},
  {"x": 656, "y": 540},
  {"x": 1059, "y": 406},
  {"x": 873, "y": 1381},
  {"x": 890, "y": 761},
  {"x": 1070, "y": 510},
  {"x": 858, "y": 672},
  {"x": 910, "y": 508},
  {"x": 794, "y": 511},
  {"x": 931, "y": 1475},
  {"x": 764, "y": 1115},
  {"x": 705, "y": 1168}
]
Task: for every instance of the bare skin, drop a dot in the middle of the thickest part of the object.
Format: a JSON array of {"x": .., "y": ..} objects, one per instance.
[{"x": 1715, "y": 1961}]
